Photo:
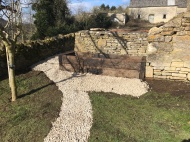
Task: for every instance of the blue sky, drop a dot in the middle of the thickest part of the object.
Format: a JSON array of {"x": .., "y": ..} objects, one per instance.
[{"x": 87, "y": 5}]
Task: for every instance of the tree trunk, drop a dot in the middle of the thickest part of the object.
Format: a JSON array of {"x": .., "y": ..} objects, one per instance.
[
  {"x": 11, "y": 72},
  {"x": 7, "y": 55}
]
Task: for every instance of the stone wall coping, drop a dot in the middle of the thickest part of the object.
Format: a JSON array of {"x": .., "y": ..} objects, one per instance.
[{"x": 113, "y": 31}]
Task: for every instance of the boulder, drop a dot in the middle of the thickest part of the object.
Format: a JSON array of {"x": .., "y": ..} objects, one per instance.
[{"x": 155, "y": 30}]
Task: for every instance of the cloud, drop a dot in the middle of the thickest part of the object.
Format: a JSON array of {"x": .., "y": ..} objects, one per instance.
[{"x": 85, "y": 6}]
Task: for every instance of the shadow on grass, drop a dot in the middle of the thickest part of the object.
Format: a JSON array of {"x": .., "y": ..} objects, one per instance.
[
  {"x": 186, "y": 140},
  {"x": 17, "y": 72},
  {"x": 34, "y": 90}
]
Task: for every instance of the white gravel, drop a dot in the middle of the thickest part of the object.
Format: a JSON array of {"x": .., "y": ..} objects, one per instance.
[{"x": 75, "y": 118}]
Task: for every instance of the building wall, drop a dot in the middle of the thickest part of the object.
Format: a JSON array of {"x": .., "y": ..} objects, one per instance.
[
  {"x": 181, "y": 10},
  {"x": 158, "y": 13}
]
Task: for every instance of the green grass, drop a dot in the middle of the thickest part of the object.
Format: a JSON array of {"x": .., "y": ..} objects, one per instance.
[
  {"x": 150, "y": 118},
  {"x": 29, "y": 118}
]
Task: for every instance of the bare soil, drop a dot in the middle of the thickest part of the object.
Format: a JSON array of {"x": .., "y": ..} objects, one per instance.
[{"x": 176, "y": 88}]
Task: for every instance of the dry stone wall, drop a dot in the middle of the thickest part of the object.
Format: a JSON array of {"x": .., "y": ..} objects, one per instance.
[
  {"x": 168, "y": 52},
  {"x": 167, "y": 48},
  {"x": 31, "y": 52},
  {"x": 112, "y": 42}
]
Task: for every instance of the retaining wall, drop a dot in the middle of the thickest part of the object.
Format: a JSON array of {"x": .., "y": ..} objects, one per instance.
[
  {"x": 112, "y": 42},
  {"x": 167, "y": 48},
  {"x": 168, "y": 52}
]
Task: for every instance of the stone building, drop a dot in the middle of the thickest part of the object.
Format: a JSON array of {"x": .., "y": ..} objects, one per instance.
[
  {"x": 156, "y": 11},
  {"x": 119, "y": 18}
]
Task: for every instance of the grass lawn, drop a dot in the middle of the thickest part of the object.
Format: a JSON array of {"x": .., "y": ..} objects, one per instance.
[
  {"x": 151, "y": 118},
  {"x": 154, "y": 117},
  {"x": 29, "y": 118}
]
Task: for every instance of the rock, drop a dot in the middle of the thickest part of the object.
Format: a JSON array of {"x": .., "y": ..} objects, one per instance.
[
  {"x": 177, "y": 78},
  {"x": 181, "y": 33},
  {"x": 149, "y": 72},
  {"x": 159, "y": 76},
  {"x": 187, "y": 64},
  {"x": 151, "y": 48},
  {"x": 166, "y": 73},
  {"x": 174, "y": 23},
  {"x": 179, "y": 75},
  {"x": 101, "y": 42},
  {"x": 168, "y": 33},
  {"x": 177, "y": 64},
  {"x": 183, "y": 41},
  {"x": 187, "y": 28},
  {"x": 168, "y": 38},
  {"x": 185, "y": 69},
  {"x": 186, "y": 15},
  {"x": 163, "y": 47},
  {"x": 152, "y": 38},
  {"x": 159, "y": 68},
  {"x": 157, "y": 73},
  {"x": 170, "y": 68},
  {"x": 155, "y": 30},
  {"x": 97, "y": 29}
]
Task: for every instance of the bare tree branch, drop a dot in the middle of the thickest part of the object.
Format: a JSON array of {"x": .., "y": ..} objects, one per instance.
[{"x": 3, "y": 6}]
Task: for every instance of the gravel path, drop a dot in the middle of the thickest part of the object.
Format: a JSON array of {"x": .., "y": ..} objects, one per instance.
[{"x": 75, "y": 118}]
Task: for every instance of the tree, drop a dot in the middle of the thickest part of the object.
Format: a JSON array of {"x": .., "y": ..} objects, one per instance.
[
  {"x": 102, "y": 7},
  {"x": 102, "y": 21},
  {"x": 120, "y": 9},
  {"x": 113, "y": 8},
  {"x": 50, "y": 16},
  {"x": 11, "y": 11},
  {"x": 44, "y": 17},
  {"x": 61, "y": 12},
  {"x": 107, "y": 7}
]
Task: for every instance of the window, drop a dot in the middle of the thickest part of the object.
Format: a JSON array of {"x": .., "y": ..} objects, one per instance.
[
  {"x": 139, "y": 16},
  {"x": 164, "y": 16},
  {"x": 171, "y": 2},
  {"x": 151, "y": 18}
]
